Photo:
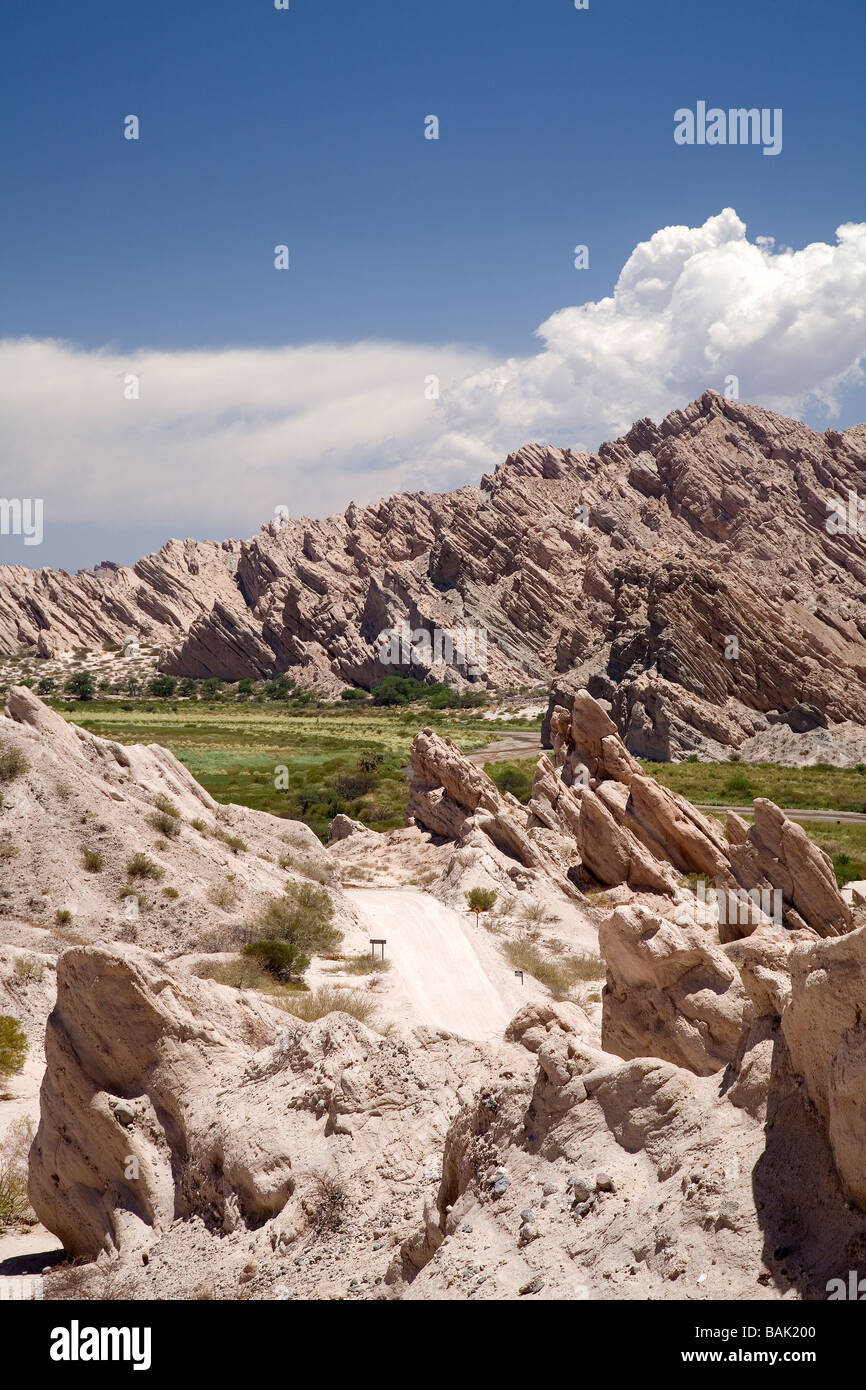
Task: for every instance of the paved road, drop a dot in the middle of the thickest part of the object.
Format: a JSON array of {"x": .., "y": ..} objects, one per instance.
[
  {"x": 796, "y": 813},
  {"x": 451, "y": 982}
]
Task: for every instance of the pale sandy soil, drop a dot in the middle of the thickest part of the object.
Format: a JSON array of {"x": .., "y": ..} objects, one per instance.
[{"x": 447, "y": 971}]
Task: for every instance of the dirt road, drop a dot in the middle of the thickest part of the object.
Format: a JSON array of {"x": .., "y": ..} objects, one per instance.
[{"x": 451, "y": 974}]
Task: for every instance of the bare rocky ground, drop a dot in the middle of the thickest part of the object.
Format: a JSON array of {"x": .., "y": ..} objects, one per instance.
[{"x": 695, "y": 1133}]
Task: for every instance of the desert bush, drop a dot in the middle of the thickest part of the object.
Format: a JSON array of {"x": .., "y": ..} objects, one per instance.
[
  {"x": 240, "y": 974},
  {"x": 12, "y": 763},
  {"x": 200, "y": 825},
  {"x": 29, "y": 968},
  {"x": 228, "y": 936},
  {"x": 480, "y": 900},
  {"x": 62, "y": 915},
  {"x": 280, "y": 959},
  {"x": 365, "y": 965},
  {"x": 559, "y": 976},
  {"x": 303, "y": 916},
  {"x": 15, "y": 1209},
  {"x": 139, "y": 866},
  {"x": 327, "y": 1207},
  {"x": 13, "y": 1045},
  {"x": 8, "y": 850},
  {"x": 234, "y": 842},
  {"x": 92, "y": 860},
  {"x": 326, "y": 1000},
  {"x": 164, "y": 823},
  {"x": 302, "y": 864},
  {"x": 223, "y": 895},
  {"x": 170, "y": 892}
]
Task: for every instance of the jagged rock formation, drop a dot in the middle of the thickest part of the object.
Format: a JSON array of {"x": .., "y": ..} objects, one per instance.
[
  {"x": 322, "y": 1160},
  {"x": 629, "y": 571},
  {"x": 671, "y": 992},
  {"x": 596, "y": 818}
]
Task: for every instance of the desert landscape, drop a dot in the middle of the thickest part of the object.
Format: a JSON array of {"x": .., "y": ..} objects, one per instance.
[{"x": 320, "y": 980}]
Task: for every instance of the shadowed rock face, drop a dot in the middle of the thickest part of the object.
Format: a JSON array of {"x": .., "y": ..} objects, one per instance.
[{"x": 706, "y": 527}]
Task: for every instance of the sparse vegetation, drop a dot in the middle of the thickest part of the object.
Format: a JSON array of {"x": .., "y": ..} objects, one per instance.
[
  {"x": 29, "y": 968},
  {"x": 92, "y": 861},
  {"x": 15, "y": 1208},
  {"x": 326, "y": 1000},
  {"x": 12, "y": 762},
  {"x": 223, "y": 895},
  {"x": 62, "y": 916},
  {"x": 234, "y": 842},
  {"x": 170, "y": 892},
  {"x": 139, "y": 866},
  {"x": 560, "y": 975},
  {"x": 165, "y": 824}
]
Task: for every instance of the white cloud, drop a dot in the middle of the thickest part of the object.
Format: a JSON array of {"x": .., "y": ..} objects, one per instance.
[{"x": 220, "y": 438}]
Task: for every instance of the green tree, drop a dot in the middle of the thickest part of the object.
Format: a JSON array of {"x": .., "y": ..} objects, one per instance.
[
  {"x": 81, "y": 684},
  {"x": 163, "y": 686},
  {"x": 13, "y": 1045}
]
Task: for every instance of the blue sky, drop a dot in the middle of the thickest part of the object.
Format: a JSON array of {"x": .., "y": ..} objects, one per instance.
[{"x": 305, "y": 127}]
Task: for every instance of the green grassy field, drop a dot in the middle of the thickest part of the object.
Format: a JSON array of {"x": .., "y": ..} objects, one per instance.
[
  {"x": 337, "y": 758},
  {"x": 736, "y": 784}
]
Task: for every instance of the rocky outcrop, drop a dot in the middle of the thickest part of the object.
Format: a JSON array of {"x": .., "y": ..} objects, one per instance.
[
  {"x": 670, "y": 992},
  {"x": 642, "y": 572},
  {"x": 624, "y": 828},
  {"x": 168, "y": 1098},
  {"x": 825, "y": 1032}
]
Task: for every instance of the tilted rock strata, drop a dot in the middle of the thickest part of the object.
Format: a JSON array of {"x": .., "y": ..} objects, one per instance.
[{"x": 706, "y": 528}]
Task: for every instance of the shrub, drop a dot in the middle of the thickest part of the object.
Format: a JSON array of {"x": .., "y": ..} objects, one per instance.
[
  {"x": 12, "y": 763},
  {"x": 29, "y": 968},
  {"x": 512, "y": 777},
  {"x": 170, "y": 893},
  {"x": 166, "y": 805},
  {"x": 62, "y": 915},
  {"x": 480, "y": 900},
  {"x": 164, "y": 823},
  {"x": 81, "y": 684},
  {"x": 200, "y": 825},
  {"x": 13, "y": 1046},
  {"x": 15, "y": 1209},
  {"x": 8, "y": 850},
  {"x": 163, "y": 686},
  {"x": 303, "y": 917},
  {"x": 92, "y": 860},
  {"x": 234, "y": 842},
  {"x": 223, "y": 895},
  {"x": 280, "y": 959},
  {"x": 365, "y": 965},
  {"x": 240, "y": 974},
  {"x": 139, "y": 866}
]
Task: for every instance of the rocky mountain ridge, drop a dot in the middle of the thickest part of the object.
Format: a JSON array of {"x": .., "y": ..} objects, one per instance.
[{"x": 694, "y": 574}]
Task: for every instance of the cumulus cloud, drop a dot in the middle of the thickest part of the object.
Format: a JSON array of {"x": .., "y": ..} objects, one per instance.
[
  {"x": 692, "y": 307},
  {"x": 218, "y": 439}
]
